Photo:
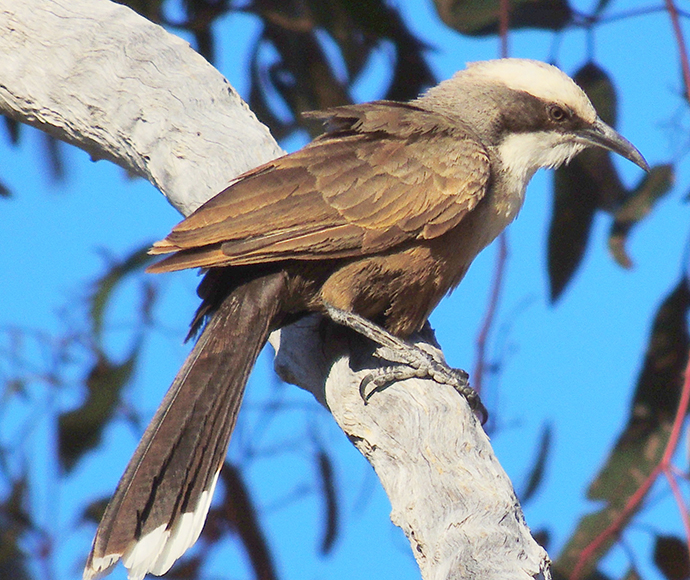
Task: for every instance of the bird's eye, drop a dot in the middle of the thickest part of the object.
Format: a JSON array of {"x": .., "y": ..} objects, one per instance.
[{"x": 558, "y": 114}]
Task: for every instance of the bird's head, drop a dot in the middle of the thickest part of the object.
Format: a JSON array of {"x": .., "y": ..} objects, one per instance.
[{"x": 532, "y": 113}]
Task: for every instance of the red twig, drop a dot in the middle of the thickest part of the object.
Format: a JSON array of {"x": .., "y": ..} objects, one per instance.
[
  {"x": 682, "y": 506},
  {"x": 496, "y": 286},
  {"x": 664, "y": 466},
  {"x": 499, "y": 268},
  {"x": 682, "y": 50},
  {"x": 671, "y": 447}
]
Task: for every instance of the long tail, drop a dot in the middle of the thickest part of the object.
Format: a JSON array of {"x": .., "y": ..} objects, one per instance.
[{"x": 162, "y": 500}]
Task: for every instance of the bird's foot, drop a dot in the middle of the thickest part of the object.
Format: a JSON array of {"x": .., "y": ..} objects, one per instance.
[{"x": 413, "y": 362}]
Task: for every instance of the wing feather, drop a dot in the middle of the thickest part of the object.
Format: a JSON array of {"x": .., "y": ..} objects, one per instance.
[{"x": 386, "y": 173}]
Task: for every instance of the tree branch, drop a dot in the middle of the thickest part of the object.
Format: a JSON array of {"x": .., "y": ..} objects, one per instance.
[
  {"x": 95, "y": 74},
  {"x": 101, "y": 77}
]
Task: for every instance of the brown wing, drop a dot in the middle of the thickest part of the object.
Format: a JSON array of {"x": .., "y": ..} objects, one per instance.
[{"x": 385, "y": 173}]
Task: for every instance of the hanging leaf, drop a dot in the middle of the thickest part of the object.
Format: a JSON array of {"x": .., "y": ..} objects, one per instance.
[
  {"x": 305, "y": 72},
  {"x": 671, "y": 557},
  {"x": 107, "y": 283},
  {"x": 80, "y": 430},
  {"x": 588, "y": 183},
  {"x": 655, "y": 401},
  {"x": 258, "y": 98},
  {"x": 412, "y": 74},
  {"x": 637, "y": 206},
  {"x": 201, "y": 15},
  {"x": 5, "y": 191},
  {"x": 303, "y": 76},
  {"x": 300, "y": 71},
  {"x": 359, "y": 27},
  {"x": 536, "y": 475},
  {"x": 481, "y": 17},
  {"x": 354, "y": 26},
  {"x": 317, "y": 85},
  {"x": 575, "y": 202},
  {"x": 542, "y": 537},
  {"x": 54, "y": 158},
  {"x": 329, "y": 495},
  {"x": 15, "y": 520},
  {"x": 94, "y": 511},
  {"x": 639, "y": 448},
  {"x": 13, "y": 128},
  {"x": 238, "y": 511},
  {"x": 598, "y": 86},
  {"x": 597, "y": 162}
]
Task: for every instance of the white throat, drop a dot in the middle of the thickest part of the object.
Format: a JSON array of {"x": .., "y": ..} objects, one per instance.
[{"x": 522, "y": 154}]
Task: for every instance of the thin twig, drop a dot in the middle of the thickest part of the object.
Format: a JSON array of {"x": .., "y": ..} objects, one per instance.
[
  {"x": 500, "y": 266},
  {"x": 682, "y": 50},
  {"x": 682, "y": 506},
  {"x": 664, "y": 466},
  {"x": 489, "y": 317}
]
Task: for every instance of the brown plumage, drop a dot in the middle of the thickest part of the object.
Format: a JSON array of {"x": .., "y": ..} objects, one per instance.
[
  {"x": 381, "y": 191},
  {"x": 380, "y": 217}
]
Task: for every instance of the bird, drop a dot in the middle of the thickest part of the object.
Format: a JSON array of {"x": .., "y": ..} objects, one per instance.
[{"x": 375, "y": 220}]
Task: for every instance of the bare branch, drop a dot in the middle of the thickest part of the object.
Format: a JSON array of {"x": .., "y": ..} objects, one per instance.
[{"x": 95, "y": 74}]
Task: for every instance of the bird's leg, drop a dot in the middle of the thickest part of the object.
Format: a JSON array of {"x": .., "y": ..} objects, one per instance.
[{"x": 416, "y": 363}]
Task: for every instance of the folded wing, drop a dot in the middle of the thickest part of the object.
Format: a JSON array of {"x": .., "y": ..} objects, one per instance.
[{"x": 384, "y": 173}]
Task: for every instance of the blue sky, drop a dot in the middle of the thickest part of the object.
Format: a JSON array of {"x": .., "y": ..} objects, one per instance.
[{"x": 573, "y": 365}]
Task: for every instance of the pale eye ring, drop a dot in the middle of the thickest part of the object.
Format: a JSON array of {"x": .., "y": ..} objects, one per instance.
[{"x": 558, "y": 114}]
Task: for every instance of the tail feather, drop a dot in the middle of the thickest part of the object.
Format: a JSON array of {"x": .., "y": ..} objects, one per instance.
[{"x": 162, "y": 500}]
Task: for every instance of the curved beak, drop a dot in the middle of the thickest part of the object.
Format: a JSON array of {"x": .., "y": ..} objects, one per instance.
[{"x": 600, "y": 134}]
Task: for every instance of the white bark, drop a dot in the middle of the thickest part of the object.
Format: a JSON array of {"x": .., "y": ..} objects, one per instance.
[
  {"x": 99, "y": 76},
  {"x": 448, "y": 492},
  {"x": 95, "y": 74}
]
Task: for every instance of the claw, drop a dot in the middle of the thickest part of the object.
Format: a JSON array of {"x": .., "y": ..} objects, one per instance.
[
  {"x": 456, "y": 378},
  {"x": 384, "y": 377},
  {"x": 418, "y": 363}
]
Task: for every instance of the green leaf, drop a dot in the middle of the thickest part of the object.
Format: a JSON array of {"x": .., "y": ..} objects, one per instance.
[
  {"x": 597, "y": 162},
  {"x": 589, "y": 183},
  {"x": 80, "y": 430},
  {"x": 536, "y": 475},
  {"x": 14, "y": 521},
  {"x": 636, "y": 207},
  {"x": 239, "y": 511},
  {"x": 481, "y": 17},
  {"x": 305, "y": 71},
  {"x": 13, "y": 129},
  {"x": 105, "y": 286},
  {"x": 641, "y": 445},
  {"x": 600, "y": 90},
  {"x": 258, "y": 98},
  {"x": 94, "y": 511},
  {"x": 575, "y": 202},
  {"x": 328, "y": 491},
  {"x": 55, "y": 161},
  {"x": 355, "y": 26}
]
